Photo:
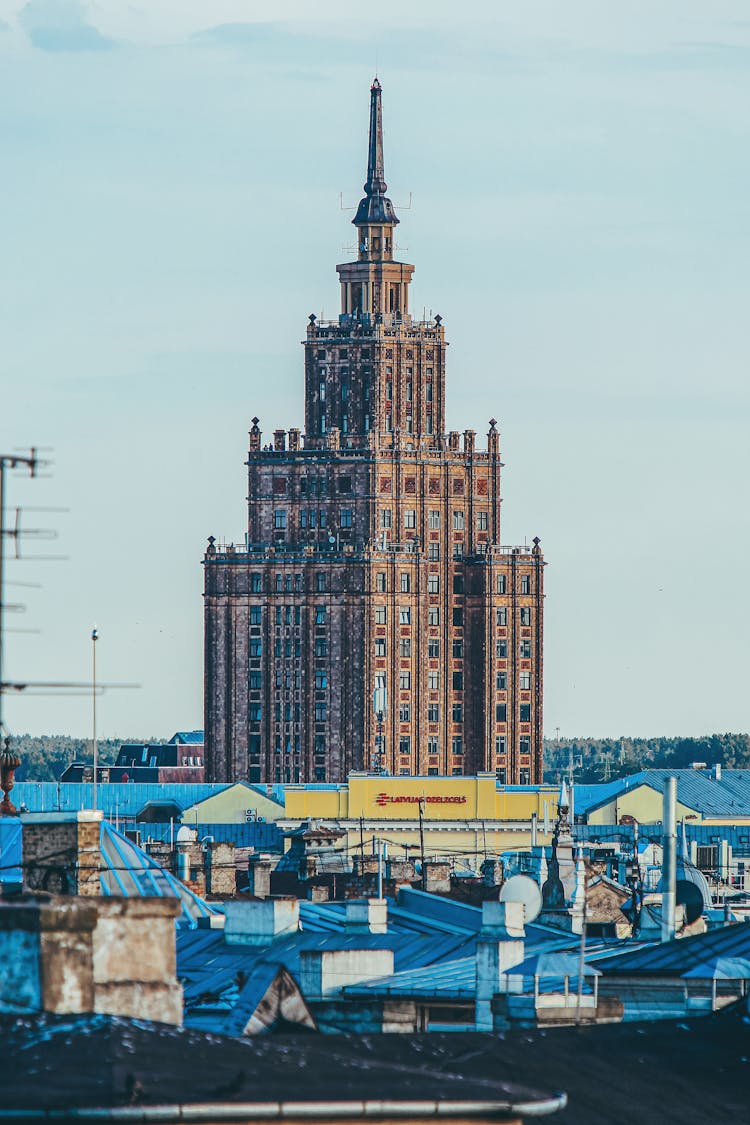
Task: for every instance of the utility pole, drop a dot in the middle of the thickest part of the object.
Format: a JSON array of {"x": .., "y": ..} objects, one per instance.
[{"x": 421, "y": 838}]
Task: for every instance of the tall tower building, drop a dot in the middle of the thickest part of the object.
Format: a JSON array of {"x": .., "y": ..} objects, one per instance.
[{"x": 372, "y": 620}]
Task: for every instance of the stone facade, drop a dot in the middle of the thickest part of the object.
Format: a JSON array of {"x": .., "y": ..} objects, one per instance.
[{"x": 372, "y": 619}]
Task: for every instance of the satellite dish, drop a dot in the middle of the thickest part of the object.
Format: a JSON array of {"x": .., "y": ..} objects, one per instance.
[
  {"x": 331, "y": 539},
  {"x": 690, "y": 896},
  {"x": 186, "y": 835},
  {"x": 520, "y": 888}
]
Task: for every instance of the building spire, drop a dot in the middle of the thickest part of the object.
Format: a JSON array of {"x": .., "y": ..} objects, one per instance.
[
  {"x": 376, "y": 184},
  {"x": 375, "y": 207}
]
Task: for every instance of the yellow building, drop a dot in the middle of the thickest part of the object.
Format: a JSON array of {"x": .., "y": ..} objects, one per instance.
[
  {"x": 240, "y": 803},
  {"x": 460, "y": 815}
]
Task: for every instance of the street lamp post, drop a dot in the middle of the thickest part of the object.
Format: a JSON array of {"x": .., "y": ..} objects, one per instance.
[{"x": 94, "y": 639}]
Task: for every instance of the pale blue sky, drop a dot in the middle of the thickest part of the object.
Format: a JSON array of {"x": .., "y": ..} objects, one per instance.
[{"x": 170, "y": 182}]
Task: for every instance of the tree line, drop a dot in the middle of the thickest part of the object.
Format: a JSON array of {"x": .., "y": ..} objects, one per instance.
[
  {"x": 606, "y": 759},
  {"x": 44, "y": 757}
]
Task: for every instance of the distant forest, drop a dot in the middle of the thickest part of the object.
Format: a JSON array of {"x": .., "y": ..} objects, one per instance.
[
  {"x": 592, "y": 759},
  {"x": 606, "y": 759}
]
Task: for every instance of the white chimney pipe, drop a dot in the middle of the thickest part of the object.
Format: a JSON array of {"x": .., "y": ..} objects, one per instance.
[{"x": 669, "y": 860}]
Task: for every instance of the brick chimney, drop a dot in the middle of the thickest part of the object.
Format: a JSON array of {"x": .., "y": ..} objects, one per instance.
[{"x": 62, "y": 852}]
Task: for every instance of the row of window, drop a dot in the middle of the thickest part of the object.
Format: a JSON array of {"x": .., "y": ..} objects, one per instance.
[
  {"x": 312, "y": 517},
  {"x": 433, "y": 519}
]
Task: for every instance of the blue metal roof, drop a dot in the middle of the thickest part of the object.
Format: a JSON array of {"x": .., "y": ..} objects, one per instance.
[
  {"x": 129, "y": 871},
  {"x": 188, "y": 737},
  {"x": 124, "y": 800},
  {"x": 675, "y": 958},
  {"x": 725, "y": 796},
  {"x": 10, "y": 850}
]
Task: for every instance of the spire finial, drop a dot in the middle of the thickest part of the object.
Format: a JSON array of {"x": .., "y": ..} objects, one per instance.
[{"x": 375, "y": 207}]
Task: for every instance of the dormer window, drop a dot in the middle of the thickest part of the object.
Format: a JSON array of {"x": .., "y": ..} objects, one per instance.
[{"x": 376, "y": 243}]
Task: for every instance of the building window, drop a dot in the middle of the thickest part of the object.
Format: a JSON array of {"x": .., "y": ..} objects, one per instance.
[
  {"x": 404, "y": 744},
  {"x": 433, "y": 615},
  {"x": 458, "y": 712},
  {"x": 404, "y": 713},
  {"x": 458, "y": 648},
  {"x": 524, "y": 776},
  {"x": 501, "y": 774},
  {"x": 525, "y": 681},
  {"x": 428, "y": 430},
  {"x": 380, "y": 646},
  {"x": 433, "y": 584},
  {"x": 405, "y": 582},
  {"x": 524, "y": 745},
  {"x": 458, "y": 550},
  {"x": 525, "y": 615},
  {"x": 255, "y": 712},
  {"x": 525, "y": 650},
  {"x": 321, "y": 710},
  {"x": 255, "y": 647},
  {"x": 408, "y": 390},
  {"x": 320, "y": 615},
  {"x": 321, "y": 583},
  {"x": 386, "y": 517},
  {"x": 404, "y": 615},
  {"x": 458, "y": 615},
  {"x": 279, "y": 519},
  {"x": 434, "y": 520},
  {"x": 482, "y": 521},
  {"x": 433, "y": 681},
  {"x": 380, "y": 582},
  {"x": 255, "y": 681},
  {"x": 321, "y": 646},
  {"x": 389, "y": 423},
  {"x": 458, "y": 521},
  {"x": 433, "y": 552},
  {"x": 279, "y": 583},
  {"x": 432, "y": 744},
  {"x": 500, "y": 744},
  {"x": 428, "y": 392},
  {"x": 345, "y": 519},
  {"x": 321, "y": 679},
  {"x": 525, "y": 712},
  {"x": 256, "y": 615},
  {"x": 404, "y": 646},
  {"x": 501, "y": 583},
  {"x": 389, "y": 390},
  {"x": 457, "y": 745},
  {"x": 501, "y": 713},
  {"x": 433, "y": 648},
  {"x": 525, "y": 584},
  {"x": 433, "y": 713},
  {"x": 404, "y": 681},
  {"x": 501, "y": 681},
  {"x": 458, "y": 681},
  {"x": 501, "y": 650},
  {"x": 380, "y": 614},
  {"x": 410, "y": 519},
  {"x": 256, "y": 583},
  {"x": 501, "y": 615}
]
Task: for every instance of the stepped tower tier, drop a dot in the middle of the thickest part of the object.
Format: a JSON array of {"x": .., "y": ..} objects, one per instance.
[{"x": 372, "y": 619}]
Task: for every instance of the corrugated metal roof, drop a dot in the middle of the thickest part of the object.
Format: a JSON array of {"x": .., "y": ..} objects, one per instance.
[
  {"x": 125, "y": 799},
  {"x": 725, "y": 796},
  {"x": 677, "y": 957},
  {"x": 129, "y": 871}
]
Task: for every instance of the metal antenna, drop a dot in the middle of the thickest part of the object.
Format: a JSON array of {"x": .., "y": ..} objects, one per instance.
[{"x": 30, "y": 463}]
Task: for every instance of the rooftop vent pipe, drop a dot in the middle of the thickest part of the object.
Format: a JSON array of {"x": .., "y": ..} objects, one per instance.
[{"x": 669, "y": 860}]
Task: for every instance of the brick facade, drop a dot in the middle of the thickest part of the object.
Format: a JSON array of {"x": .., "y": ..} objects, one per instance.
[{"x": 372, "y": 620}]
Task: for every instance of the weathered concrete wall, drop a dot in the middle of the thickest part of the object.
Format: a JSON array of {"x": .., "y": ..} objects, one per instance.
[
  {"x": 62, "y": 852},
  {"x": 327, "y": 970}
]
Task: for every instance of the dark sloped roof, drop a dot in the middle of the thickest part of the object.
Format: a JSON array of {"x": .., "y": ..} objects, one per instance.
[{"x": 688, "y": 1071}]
